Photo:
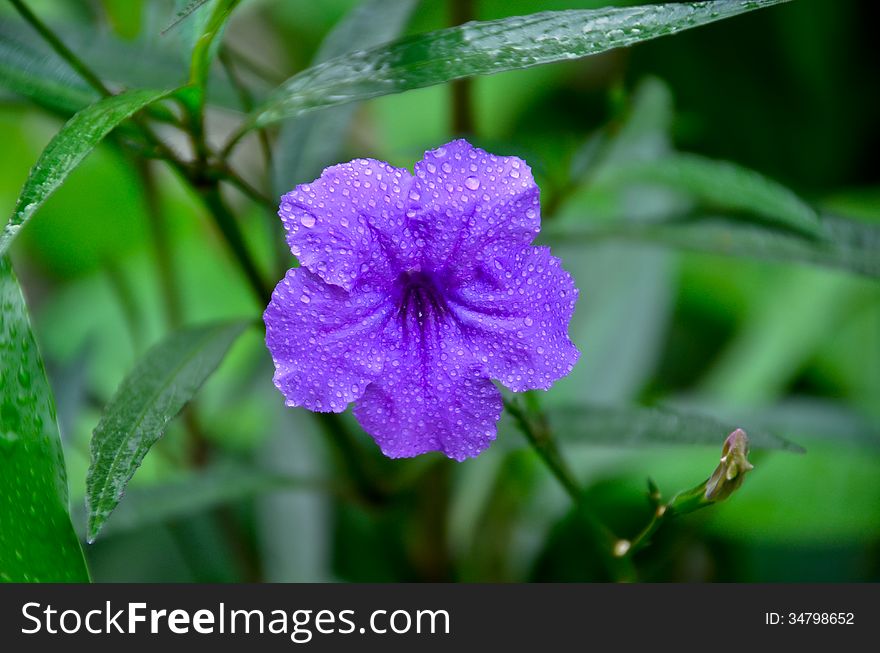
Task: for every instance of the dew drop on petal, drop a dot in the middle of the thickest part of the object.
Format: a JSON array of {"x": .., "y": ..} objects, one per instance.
[
  {"x": 307, "y": 220},
  {"x": 472, "y": 182}
]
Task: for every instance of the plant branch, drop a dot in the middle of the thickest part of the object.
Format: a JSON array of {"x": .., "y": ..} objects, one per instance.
[
  {"x": 537, "y": 432},
  {"x": 462, "y": 11},
  {"x": 228, "y": 227},
  {"x": 63, "y": 51},
  {"x": 247, "y": 103}
]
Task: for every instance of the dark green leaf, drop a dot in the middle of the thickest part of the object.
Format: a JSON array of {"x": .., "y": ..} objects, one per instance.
[
  {"x": 191, "y": 494},
  {"x": 68, "y": 148},
  {"x": 311, "y": 143},
  {"x": 621, "y": 329},
  {"x": 845, "y": 244},
  {"x": 636, "y": 426},
  {"x": 31, "y": 68},
  {"x": 37, "y": 541},
  {"x": 719, "y": 185},
  {"x": 481, "y": 48},
  {"x": 165, "y": 379},
  {"x": 41, "y": 76}
]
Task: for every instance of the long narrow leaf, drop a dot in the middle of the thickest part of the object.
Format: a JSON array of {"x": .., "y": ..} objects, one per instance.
[
  {"x": 719, "y": 185},
  {"x": 42, "y": 77},
  {"x": 308, "y": 145},
  {"x": 629, "y": 426},
  {"x": 37, "y": 541},
  {"x": 68, "y": 148},
  {"x": 482, "y": 48},
  {"x": 191, "y": 494},
  {"x": 845, "y": 244},
  {"x": 167, "y": 377}
]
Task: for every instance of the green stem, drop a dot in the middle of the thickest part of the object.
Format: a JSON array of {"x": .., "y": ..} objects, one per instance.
[
  {"x": 225, "y": 173},
  {"x": 75, "y": 62},
  {"x": 350, "y": 458},
  {"x": 537, "y": 432},
  {"x": 228, "y": 227},
  {"x": 161, "y": 244},
  {"x": 462, "y": 11},
  {"x": 247, "y": 103},
  {"x": 82, "y": 69}
]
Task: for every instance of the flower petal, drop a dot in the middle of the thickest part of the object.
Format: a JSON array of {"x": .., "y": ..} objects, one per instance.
[
  {"x": 431, "y": 396},
  {"x": 349, "y": 221},
  {"x": 324, "y": 341},
  {"x": 471, "y": 202},
  {"x": 514, "y": 312}
]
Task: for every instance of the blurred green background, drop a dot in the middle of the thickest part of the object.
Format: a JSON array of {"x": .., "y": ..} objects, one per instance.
[{"x": 790, "y": 92}]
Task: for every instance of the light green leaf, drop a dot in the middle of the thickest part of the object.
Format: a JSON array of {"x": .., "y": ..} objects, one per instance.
[
  {"x": 183, "y": 13},
  {"x": 719, "y": 185},
  {"x": 845, "y": 244},
  {"x": 165, "y": 379},
  {"x": 206, "y": 45},
  {"x": 481, "y": 48},
  {"x": 311, "y": 143},
  {"x": 192, "y": 494},
  {"x": 37, "y": 541},
  {"x": 638, "y": 426},
  {"x": 68, "y": 148}
]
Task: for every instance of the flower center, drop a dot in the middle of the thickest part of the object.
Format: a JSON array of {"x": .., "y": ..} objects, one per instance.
[{"x": 418, "y": 297}]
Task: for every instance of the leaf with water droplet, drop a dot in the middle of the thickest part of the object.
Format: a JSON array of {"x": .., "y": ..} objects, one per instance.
[
  {"x": 68, "y": 148},
  {"x": 37, "y": 541},
  {"x": 482, "y": 48},
  {"x": 165, "y": 379}
]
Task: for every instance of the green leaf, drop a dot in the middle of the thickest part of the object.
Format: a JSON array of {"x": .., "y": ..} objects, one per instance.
[
  {"x": 68, "y": 148},
  {"x": 311, "y": 143},
  {"x": 148, "y": 398},
  {"x": 41, "y": 76},
  {"x": 719, "y": 185},
  {"x": 192, "y": 494},
  {"x": 206, "y": 45},
  {"x": 37, "y": 541},
  {"x": 481, "y": 48},
  {"x": 845, "y": 244},
  {"x": 183, "y": 13},
  {"x": 621, "y": 329},
  {"x": 637, "y": 426}
]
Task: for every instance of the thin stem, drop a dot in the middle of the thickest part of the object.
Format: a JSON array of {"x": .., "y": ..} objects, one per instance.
[
  {"x": 462, "y": 11},
  {"x": 249, "y": 64},
  {"x": 228, "y": 227},
  {"x": 539, "y": 436},
  {"x": 225, "y": 173},
  {"x": 124, "y": 295},
  {"x": 540, "y": 439},
  {"x": 350, "y": 459},
  {"x": 161, "y": 245},
  {"x": 75, "y": 62},
  {"x": 247, "y": 103}
]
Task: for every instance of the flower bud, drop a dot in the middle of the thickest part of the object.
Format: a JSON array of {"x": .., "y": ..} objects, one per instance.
[{"x": 731, "y": 471}]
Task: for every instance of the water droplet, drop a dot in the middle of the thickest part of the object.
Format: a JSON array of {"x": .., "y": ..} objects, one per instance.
[
  {"x": 472, "y": 182},
  {"x": 307, "y": 220},
  {"x": 305, "y": 299}
]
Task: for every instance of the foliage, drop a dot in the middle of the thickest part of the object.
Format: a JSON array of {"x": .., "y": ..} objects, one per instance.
[{"x": 727, "y": 255}]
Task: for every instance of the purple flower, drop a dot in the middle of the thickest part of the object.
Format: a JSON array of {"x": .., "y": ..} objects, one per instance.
[{"x": 413, "y": 292}]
